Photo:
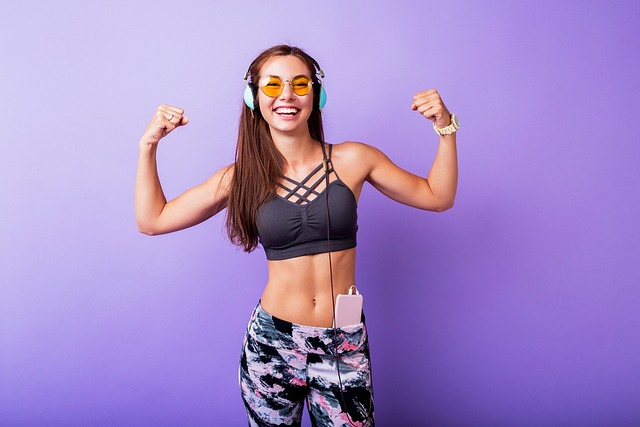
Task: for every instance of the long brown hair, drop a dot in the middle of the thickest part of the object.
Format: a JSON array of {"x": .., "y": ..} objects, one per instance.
[{"x": 258, "y": 163}]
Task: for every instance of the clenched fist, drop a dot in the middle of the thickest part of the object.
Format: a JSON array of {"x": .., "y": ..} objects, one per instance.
[
  {"x": 165, "y": 120},
  {"x": 429, "y": 104}
]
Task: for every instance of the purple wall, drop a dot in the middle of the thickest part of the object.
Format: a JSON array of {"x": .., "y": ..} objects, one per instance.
[{"x": 518, "y": 307}]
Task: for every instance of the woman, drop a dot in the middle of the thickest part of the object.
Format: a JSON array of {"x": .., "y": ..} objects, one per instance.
[{"x": 285, "y": 186}]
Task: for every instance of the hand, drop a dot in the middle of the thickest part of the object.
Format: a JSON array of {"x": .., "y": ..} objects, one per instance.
[
  {"x": 429, "y": 104},
  {"x": 166, "y": 119}
]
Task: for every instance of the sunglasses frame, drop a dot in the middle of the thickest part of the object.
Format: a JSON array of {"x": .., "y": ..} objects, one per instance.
[{"x": 282, "y": 83}]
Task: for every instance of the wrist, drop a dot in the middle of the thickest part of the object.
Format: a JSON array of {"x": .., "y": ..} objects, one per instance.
[
  {"x": 443, "y": 122},
  {"x": 147, "y": 149},
  {"x": 452, "y": 127},
  {"x": 145, "y": 144},
  {"x": 448, "y": 138}
]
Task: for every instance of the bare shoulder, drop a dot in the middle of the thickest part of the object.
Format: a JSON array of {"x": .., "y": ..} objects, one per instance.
[
  {"x": 222, "y": 177},
  {"x": 219, "y": 183},
  {"x": 356, "y": 153},
  {"x": 352, "y": 148},
  {"x": 226, "y": 174},
  {"x": 353, "y": 162}
]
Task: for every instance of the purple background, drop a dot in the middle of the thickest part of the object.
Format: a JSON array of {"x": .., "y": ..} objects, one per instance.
[{"x": 518, "y": 307}]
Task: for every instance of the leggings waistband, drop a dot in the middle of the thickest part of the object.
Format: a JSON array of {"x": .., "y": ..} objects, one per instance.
[{"x": 283, "y": 334}]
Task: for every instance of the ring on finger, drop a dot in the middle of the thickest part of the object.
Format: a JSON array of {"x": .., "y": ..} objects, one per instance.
[{"x": 170, "y": 118}]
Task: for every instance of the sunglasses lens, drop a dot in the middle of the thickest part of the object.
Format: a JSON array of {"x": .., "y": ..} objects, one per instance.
[
  {"x": 301, "y": 85},
  {"x": 273, "y": 87}
]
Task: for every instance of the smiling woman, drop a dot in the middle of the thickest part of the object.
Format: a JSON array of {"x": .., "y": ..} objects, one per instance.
[{"x": 297, "y": 196}]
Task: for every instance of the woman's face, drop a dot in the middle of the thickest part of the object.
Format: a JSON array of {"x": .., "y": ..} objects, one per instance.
[{"x": 286, "y": 113}]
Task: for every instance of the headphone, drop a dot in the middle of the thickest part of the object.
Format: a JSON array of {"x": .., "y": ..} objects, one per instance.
[{"x": 251, "y": 91}]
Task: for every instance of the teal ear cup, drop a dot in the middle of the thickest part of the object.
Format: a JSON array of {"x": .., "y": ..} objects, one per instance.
[
  {"x": 323, "y": 97},
  {"x": 248, "y": 97}
]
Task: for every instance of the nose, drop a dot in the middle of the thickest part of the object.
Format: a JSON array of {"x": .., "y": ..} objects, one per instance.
[{"x": 287, "y": 90}]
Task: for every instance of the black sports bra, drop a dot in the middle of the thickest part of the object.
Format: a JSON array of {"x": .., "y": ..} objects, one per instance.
[{"x": 295, "y": 224}]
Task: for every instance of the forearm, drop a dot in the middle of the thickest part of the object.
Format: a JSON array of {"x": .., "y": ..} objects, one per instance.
[
  {"x": 149, "y": 197},
  {"x": 443, "y": 176}
]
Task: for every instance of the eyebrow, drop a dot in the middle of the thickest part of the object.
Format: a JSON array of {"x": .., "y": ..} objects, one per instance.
[{"x": 275, "y": 75}]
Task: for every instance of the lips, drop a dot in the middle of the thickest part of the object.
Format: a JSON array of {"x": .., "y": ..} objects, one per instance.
[{"x": 287, "y": 111}]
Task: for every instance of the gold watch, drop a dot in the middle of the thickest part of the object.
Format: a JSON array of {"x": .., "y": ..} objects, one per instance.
[{"x": 448, "y": 130}]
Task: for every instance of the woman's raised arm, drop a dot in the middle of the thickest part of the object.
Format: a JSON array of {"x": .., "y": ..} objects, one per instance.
[
  {"x": 437, "y": 191},
  {"x": 154, "y": 215}
]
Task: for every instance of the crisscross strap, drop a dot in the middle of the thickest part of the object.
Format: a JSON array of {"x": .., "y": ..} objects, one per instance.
[{"x": 304, "y": 191}]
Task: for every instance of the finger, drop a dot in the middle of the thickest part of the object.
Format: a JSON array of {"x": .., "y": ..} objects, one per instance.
[
  {"x": 420, "y": 105},
  {"x": 425, "y": 93},
  {"x": 166, "y": 113},
  {"x": 162, "y": 122},
  {"x": 426, "y": 98},
  {"x": 171, "y": 109},
  {"x": 431, "y": 112},
  {"x": 438, "y": 115},
  {"x": 178, "y": 120},
  {"x": 429, "y": 105},
  {"x": 173, "y": 114},
  {"x": 433, "y": 101},
  {"x": 417, "y": 103}
]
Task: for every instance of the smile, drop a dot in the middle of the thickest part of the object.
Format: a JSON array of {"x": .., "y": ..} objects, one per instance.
[{"x": 287, "y": 111}]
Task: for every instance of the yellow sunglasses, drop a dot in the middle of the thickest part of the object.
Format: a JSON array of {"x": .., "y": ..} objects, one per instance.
[{"x": 272, "y": 86}]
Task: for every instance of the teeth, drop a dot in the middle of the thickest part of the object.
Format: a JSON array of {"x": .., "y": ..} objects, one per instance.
[{"x": 283, "y": 110}]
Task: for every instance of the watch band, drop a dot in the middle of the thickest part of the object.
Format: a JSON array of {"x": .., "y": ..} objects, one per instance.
[{"x": 448, "y": 130}]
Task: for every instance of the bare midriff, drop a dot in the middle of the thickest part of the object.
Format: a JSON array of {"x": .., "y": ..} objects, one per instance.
[{"x": 299, "y": 289}]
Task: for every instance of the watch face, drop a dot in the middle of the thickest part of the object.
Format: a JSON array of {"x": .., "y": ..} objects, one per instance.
[{"x": 455, "y": 120}]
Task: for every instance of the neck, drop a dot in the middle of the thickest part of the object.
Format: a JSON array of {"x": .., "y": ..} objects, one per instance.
[{"x": 298, "y": 149}]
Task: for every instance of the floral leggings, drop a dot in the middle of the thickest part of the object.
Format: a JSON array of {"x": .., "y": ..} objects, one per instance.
[{"x": 284, "y": 363}]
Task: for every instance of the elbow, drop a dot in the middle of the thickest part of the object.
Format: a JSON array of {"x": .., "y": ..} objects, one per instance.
[
  {"x": 444, "y": 206},
  {"x": 448, "y": 205},
  {"x": 146, "y": 229}
]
